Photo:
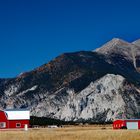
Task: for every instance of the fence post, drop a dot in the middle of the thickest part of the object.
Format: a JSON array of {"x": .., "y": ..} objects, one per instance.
[{"x": 26, "y": 127}]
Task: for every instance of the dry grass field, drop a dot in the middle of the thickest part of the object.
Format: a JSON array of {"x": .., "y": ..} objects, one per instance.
[{"x": 72, "y": 133}]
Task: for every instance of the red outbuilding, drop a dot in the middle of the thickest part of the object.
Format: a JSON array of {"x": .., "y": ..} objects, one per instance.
[
  {"x": 127, "y": 124},
  {"x": 14, "y": 119}
]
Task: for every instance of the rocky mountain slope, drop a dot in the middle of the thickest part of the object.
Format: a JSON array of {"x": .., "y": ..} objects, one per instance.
[
  {"x": 137, "y": 42},
  {"x": 103, "y": 100},
  {"x": 100, "y": 85}
]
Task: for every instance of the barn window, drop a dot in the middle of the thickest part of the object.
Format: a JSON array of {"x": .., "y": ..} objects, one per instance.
[
  {"x": 18, "y": 124},
  {"x": 2, "y": 124}
]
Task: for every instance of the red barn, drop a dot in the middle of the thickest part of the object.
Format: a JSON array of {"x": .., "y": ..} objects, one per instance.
[
  {"x": 14, "y": 119},
  {"x": 127, "y": 124}
]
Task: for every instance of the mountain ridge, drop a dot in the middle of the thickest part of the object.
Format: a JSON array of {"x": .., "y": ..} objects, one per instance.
[{"x": 70, "y": 86}]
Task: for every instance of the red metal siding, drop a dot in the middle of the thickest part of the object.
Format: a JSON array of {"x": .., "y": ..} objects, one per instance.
[
  {"x": 118, "y": 124},
  {"x": 3, "y": 118},
  {"x": 12, "y": 123}
]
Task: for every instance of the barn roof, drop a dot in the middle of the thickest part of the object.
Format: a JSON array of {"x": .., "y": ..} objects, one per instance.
[
  {"x": 126, "y": 120},
  {"x": 16, "y": 110},
  {"x": 17, "y": 114}
]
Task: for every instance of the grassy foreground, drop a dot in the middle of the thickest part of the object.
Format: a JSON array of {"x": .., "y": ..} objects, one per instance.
[{"x": 72, "y": 133}]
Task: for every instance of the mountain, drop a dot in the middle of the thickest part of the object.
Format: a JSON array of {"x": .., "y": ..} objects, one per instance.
[
  {"x": 102, "y": 101},
  {"x": 137, "y": 42},
  {"x": 130, "y": 51},
  {"x": 124, "y": 56},
  {"x": 95, "y": 86}
]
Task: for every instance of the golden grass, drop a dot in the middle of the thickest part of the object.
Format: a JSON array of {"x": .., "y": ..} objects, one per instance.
[{"x": 72, "y": 133}]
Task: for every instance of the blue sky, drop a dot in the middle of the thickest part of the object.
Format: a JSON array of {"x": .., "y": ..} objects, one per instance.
[{"x": 32, "y": 32}]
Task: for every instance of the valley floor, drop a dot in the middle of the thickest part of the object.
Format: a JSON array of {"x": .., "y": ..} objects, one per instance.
[{"x": 94, "y": 132}]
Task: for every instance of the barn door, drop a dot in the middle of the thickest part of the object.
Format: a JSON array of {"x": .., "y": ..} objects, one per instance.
[{"x": 132, "y": 125}]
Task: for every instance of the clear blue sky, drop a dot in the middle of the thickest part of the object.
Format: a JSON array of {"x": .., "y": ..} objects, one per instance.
[{"x": 32, "y": 32}]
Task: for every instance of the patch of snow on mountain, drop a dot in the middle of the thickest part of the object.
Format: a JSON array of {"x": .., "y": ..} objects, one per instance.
[{"x": 30, "y": 89}]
